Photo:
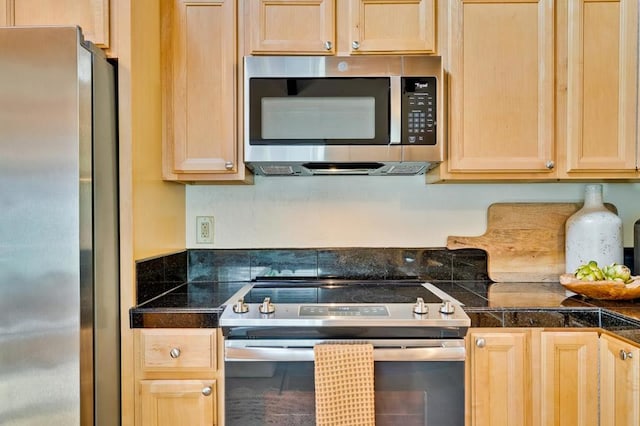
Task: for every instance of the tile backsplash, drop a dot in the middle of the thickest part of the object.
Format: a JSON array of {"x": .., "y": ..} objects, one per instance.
[
  {"x": 158, "y": 275},
  {"x": 353, "y": 263}
]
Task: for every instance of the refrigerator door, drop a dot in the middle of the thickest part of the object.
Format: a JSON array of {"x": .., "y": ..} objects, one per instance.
[{"x": 47, "y": 259}]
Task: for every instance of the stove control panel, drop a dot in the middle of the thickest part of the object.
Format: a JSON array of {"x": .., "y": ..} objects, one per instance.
[{"x": 343, "y": 311}]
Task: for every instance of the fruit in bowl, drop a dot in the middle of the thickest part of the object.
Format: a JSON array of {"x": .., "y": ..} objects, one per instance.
[
  {"x": 614, "y": 272},
  {"x": 611, "y": 282}
]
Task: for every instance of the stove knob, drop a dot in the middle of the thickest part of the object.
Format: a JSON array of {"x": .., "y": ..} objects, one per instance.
[
  {"x": 447, "y": 307},
  {"x": 267, "y": 307},
  {"x": 240, "y": 307},
  {"x": 420, "y": 307}
]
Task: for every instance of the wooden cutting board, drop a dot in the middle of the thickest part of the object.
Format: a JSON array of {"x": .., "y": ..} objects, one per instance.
[{"x": 524, "y": 241}]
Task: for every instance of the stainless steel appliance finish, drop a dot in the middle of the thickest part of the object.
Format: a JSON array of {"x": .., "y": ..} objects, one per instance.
[
  {"x": 59, "y": 267},
  {"x": 271, "y": 329},
  {"x": 403, "y": 350},
  {"x": 302, "y": 153},
  {"x": 341, "y": 314}
]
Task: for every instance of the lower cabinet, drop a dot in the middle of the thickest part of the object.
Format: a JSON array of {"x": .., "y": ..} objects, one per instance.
[
  {"x": 177, "y": 377},
  {"x": 533, "y": 376},
  {"x": 569, "y": 378},
  {"x": 177, "y": 402},
  {"x": 499, "y": 369},
  {"x": 619, "y": 382}
]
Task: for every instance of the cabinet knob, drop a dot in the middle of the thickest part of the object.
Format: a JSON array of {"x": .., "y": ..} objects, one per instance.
[
  {"x": 355, "y": 44},
  {"x": 550, "y": 164},
  {"x": 206, "y": 391},
  {"x": 175, "y": 352},
  {"x": 624, "y": 355},
  {"x": 480, "y": 342},
  {"x": 328, "y": 45},
  {"x": 228, "y": 165}
]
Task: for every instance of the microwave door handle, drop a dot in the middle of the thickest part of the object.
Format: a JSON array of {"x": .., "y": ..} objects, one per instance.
[
  {"x": 257, "y": 354},
  {"x": 396, "y": 110}
]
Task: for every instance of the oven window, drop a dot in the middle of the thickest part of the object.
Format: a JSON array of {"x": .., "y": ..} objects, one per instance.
[
  {"x": 406, "y": 393},
  {"x": 319, "y": 111}
]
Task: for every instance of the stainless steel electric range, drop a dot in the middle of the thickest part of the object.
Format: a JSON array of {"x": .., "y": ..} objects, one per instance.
[{"x": 416, "y": 329}]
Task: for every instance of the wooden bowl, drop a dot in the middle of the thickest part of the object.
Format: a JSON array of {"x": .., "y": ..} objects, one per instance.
[{"x": 602, "y": 290}]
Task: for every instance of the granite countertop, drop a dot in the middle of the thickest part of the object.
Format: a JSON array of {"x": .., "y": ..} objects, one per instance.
[{"x": 488, "y": 304}]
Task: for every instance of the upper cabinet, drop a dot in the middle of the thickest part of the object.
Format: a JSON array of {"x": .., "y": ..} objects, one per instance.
[
  {"x": 598, "y": 87},
  {"x": 199, "y": 66},
  {"x": 541, "y": 90},
  {"x": 349, "y": 27},
  {"x": 310, "y": 26},
  {"x": 91, "y": 15},
  {"x": 501, "y": 86}
]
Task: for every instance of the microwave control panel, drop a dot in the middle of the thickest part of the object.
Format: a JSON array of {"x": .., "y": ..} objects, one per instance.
[{"x": 419, "y": 111}]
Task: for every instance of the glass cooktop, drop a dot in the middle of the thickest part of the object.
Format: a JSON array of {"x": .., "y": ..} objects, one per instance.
[{"x": 342, "y": 292}]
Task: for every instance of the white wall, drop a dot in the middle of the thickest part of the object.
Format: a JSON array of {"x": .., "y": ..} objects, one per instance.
[{"x": 362, "y": 211}]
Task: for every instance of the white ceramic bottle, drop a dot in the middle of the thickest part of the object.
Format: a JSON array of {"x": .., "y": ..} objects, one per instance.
[{"x": 593, "y": 233}]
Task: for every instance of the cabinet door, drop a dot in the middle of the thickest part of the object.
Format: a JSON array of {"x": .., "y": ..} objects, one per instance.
[
  {"x": 602, "y": 78},
  {"x": 292, "y": 26},
  {"x": 502, "y": 87},
  {"x": 178, "y": 402},
  {"x": 499, "y": 370},
  {"x": 91, "y": 15},
  {"x": 619, "y": 382},
  {"x": 569, "y": 378},
  {"x": 393, "y": 26},
  {"x": 199, "y": 93}
]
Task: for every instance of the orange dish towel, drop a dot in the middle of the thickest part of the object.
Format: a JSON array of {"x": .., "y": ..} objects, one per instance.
[{"x": 344, "y": 385}]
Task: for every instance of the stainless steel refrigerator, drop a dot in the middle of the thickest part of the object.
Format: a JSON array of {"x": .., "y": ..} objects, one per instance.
[{"x": 59, "y": 267}]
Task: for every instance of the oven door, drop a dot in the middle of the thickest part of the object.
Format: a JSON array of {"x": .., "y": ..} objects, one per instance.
[{"x": 417, "y": 382}]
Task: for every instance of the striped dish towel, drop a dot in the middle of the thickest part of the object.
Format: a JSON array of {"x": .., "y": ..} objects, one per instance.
[{"x": 344, "y": 385}]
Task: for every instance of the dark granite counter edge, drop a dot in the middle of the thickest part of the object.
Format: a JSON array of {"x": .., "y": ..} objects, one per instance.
[{"x": 586, "y": 317}]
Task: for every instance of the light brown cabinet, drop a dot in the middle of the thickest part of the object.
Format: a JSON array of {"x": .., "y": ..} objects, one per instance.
[
  {"x": 499, "y": 377},
  {"x": 569, "y": 378},
  {"x": 532, "y": 376},
  {"x": 501, "y": 64},
  {"x": 177, "y": 403},
  {"x": 345, "y": 27},
  {"x": 178, "y": 377},
  {"x": 598, "y": 87},
  {"x": 619, "y": 382},
  {"x": 91, "y": 15},
  {"x": 541, "y": 90},
  {"x": 199, "y": 66}
]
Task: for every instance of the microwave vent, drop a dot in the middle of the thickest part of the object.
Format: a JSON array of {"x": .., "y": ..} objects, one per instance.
[
  {"x": 277, "y": 170},
  {"x": 407, "y": 169}
]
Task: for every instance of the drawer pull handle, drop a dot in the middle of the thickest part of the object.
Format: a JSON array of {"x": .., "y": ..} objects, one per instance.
[
  {"x": 328, "y": 45},
  {"x": 480, "y": 342},
  {"x": 228, "y": 165},
  {"x": 206, "y": 391},
  {"x": 355, "y": 45},
  {"x": 175, "y": 353},
  {"x": 624, "y": 355}
]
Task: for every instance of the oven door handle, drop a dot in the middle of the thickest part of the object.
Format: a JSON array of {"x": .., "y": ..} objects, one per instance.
[{"x": 292, "y": 354}]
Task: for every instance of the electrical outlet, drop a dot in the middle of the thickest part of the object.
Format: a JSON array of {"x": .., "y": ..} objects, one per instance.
[{"x": 204, "y": 229}]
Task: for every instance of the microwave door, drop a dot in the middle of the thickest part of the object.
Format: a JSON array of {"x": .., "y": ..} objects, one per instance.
[{"x": 321, "y": 111}]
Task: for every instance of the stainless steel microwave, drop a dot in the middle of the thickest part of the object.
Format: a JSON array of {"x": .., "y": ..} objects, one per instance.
[{"x": 370, "y": 115}]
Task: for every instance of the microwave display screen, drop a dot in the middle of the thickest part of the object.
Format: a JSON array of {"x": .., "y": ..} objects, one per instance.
[
  {"x": 319, "y": 111},
  {"x": 318, "y": 118}
]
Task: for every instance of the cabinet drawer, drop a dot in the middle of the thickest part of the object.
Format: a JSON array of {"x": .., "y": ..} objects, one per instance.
[{"x": 166, "y": 350}]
